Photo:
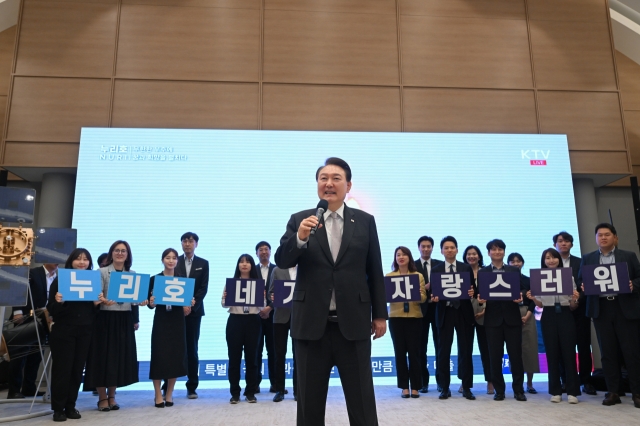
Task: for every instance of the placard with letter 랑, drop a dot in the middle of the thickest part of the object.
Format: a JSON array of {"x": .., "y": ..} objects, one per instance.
[
  {"x": 451, "y": 285},
  {"x": 499, "y": 286},
  {"x": 551, "y": 281},
  {"x": 174, "y": 291},
  {"x": 78, "y": 285},
  {"x": 402, "y": 288},
  {"x": 244, "y": 292},
  {"x": 606, "y": 279},
  {"x": 128, "y": 287},
  {"x": 283, "y": 293}
]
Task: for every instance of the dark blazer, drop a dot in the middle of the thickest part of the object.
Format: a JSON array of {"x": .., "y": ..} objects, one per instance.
[
  {"x": 38, "y": 286},
  {"x": 280, "y": 315},
  {"x": 420, "y": 268},
  {"x": 497, "y": 312},
  {"x": 629, "y": 303},
  {"x": 199, "y": 271},
  {"x": 267, "y": 281},
  {"x": 70, "y": 313},
  {"x": 356, "y": 276},
  {"x": 465, "y": 305},
  {"x": 574, "y": 263}
]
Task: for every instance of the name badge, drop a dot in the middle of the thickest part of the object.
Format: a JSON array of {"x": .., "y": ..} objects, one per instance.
[
  {"x": 552, "y": 282},
  {"x": 606, "y": 279},
  {"x": 403, "y": 288},
  {"x": 244, "y": 292},
  {"x": 77, "y": 285},
  {"x": 451, "y": 285},
  {"x": 128, "y": 287},
  {"x": 499, "y": 285},
  {"x": 282, "y": 293},
  {"x": 173, "y": 291}
]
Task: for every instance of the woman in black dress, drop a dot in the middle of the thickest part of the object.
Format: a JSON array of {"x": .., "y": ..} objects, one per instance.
[
  {"x": 168, "y": 338},
  {"x": 69, "y": 341}
]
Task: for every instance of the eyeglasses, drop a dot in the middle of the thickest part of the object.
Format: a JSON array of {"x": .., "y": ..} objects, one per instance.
[{"x": 120, "y": 251}]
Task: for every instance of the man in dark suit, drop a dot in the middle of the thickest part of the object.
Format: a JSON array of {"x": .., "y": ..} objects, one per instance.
[
  {"x": 503, "y": 324},
  {"x": 455, "y": 315},
  {"x": 23, "y": 371},
  {"x": 192, "y": 266},
  {"x": 281, "y": 327},
  {"x": 424, "y": 266},
  {"x": 264, "y": 269},
  {"x": 339, "y": 300},
  {"x": 616, "y": 317},
  {"x": 563, "y": 242}
]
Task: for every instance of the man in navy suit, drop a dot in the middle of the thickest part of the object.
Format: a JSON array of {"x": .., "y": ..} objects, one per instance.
[
  {"x": 563, "y": 242},
  {"x": 455, "y": 315},
  {"x": 339, "y": 299},
  {"x": 192, "y": 266},
  {"x": 616, "y": 317},
  {"x": 264, "y": 269},
  {"x": 503, "y": 324},
  {"x": 424, "y": 265}
]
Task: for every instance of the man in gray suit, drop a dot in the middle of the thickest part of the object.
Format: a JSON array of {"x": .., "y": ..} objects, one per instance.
[{"x": 281, "y": 327}]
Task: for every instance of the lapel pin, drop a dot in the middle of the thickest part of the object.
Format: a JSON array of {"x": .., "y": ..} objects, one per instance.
[{"x": 352, "y": 220}]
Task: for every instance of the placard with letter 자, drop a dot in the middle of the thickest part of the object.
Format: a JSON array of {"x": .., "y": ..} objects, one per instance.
[{"x": 402, "y": 288}]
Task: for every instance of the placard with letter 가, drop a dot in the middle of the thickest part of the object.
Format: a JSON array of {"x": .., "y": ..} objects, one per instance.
[
  {"x": 78, "y": 285},
  {"x": 606, "y": 279},
  {"x": 174, "y": 291},
  {"x": 402, "y": 288},
  {"x": 451, "y": 285},
  {"x": 282, "y": 293},
  {"x": 499, "y": 286},
  {"x": 552, "y": 281},
  {"x": 244, "y": 292}
]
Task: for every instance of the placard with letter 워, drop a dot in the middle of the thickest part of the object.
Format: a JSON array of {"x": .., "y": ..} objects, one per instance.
[{"x": 606, "y": 279}]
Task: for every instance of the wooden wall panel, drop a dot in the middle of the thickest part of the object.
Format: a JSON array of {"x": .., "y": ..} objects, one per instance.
[
  {"x": 572, "y": 56},
  {"x": 3, "y": 110},
  {"x": 67, "y": 39},
  {"x": 462, "y": 52},
  {"x": 494, "y": 9},
  {"x": 7, "y": 43},
  {"x": 199, "y": 105},
  {"x": 629, "y": 77},
  {"x": 469, "y": 110},
  {"x": 233, "y": 4},
  {"x": 88, "y": 1},
  {"x": 332, "y": 48},
  {"x": 30, "y": 154},
  {"x": 592, "y": 120},
  {"x": 632, "y": 123},
  {"x": 220, "y": 44},
  {"x": 599, "y": 162},
  {"x": 311, "y": 107},
  {"x": 54, "y": 109},
  {"x": 353, "y": 6},
  {"x": 568, "y": 10}
]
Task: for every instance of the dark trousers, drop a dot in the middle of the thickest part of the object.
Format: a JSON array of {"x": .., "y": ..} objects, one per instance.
[
  {"x": 266, "y": 339},
  {"x": 428, "y": 322},
  {"x": 280, "y": 340},
  {"x": 559, "y": 334},
  {"x": 496, "y": 339},
  {"x": 484, "y": 351},
  {"x": 192, "y": 325},
  {"x": 614, "y": 329},
  {"x": 23, "y": 373},
  {"x": 69, "y": 350},
  {"x": 405, "y": 334},
  {"x": 243, "y": 332},
  {"x": 583, "y": 340},
  {"x": 454, "y": 320},
  {"x": 315, "y": 360}
]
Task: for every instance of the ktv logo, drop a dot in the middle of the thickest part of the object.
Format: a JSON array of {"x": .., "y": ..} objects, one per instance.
[{"x": 536, "y": 157}]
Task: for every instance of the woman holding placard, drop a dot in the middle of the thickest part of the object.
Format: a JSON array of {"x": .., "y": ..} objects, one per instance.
[
  {"x": 113, "y": 359},
  {"x": 168, "y": 337},
  {"x": 69, "y": 341},
  {"x": 405, "y": 325},
  {"x": 243, "y": 332},
  {"x": 559, "y": 334}
]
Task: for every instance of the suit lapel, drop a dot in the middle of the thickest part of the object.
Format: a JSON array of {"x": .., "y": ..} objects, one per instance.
[{"x": 347, "y": 231}]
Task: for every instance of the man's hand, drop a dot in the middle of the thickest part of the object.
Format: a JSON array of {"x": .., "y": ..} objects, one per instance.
[
  {"x": 186, "y": 310},
  {"x": 427, "y": 286},
  {"x": 306, "y": 226},
  {"x": 518, "y": 300},
  {"x": 264, "y": 313},
  {"x": 435, "y": 299},
  {"x": 136, "y": 326},
  {"x": 378, "y": 328},
  {"x": 470, "y": 292}
]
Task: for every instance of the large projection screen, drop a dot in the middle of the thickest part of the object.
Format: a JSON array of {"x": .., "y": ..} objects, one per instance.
[{"x": 235, "y": 188}]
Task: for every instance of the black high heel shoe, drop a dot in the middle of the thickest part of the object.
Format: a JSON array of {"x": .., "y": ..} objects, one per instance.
[
  {"x": 161, "y": 405},
  {"x": 104, "y": 409}
]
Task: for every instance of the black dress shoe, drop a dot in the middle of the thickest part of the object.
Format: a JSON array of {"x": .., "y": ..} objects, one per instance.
[
  {"x": 531, "y": 390},
  {"x": 498, "y": 397},
  {"x": 279, "y": 396},
  {"x": 234, "y": 400},
  {"x": 58, "y": 416},
  {"x": 445, "y": 394},
  {"x": 636, "y": 400},
  {"x": 468, "y": 394},
  {"x": 611, "y": 399},
  {"x": 589, "y": 389},
  {"x": 72, "y": 414},
  {"x": 17, "y": 395},
  {"x": 405, "y": 396},
  {"x": 250, "y": 398},
  {"x": 424, "y": 389},
  {"x": 415, "y": 395},
  {"x": 520, "y": 396}
]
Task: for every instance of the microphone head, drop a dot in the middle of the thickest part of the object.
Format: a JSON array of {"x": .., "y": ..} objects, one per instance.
[{"x": 323, "y": 204}]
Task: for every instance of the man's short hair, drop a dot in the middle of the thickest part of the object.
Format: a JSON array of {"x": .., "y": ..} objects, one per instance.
[
  {"x": 188, "y": 235},
  {"x": 514, "y": 256},
  {"x": 335, "y": 161},
  {"x": 565, "y": 236},
  {"x": 609, "y": 226},
  {"x": 262, "y": 243},
  {"x": 496, "y": 243},
  {"x": 448, "y": 238},
  {"x": 425, "y": 238}
]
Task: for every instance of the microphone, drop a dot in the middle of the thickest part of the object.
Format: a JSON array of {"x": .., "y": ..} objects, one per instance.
[{"x": 323, "y": 205}]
